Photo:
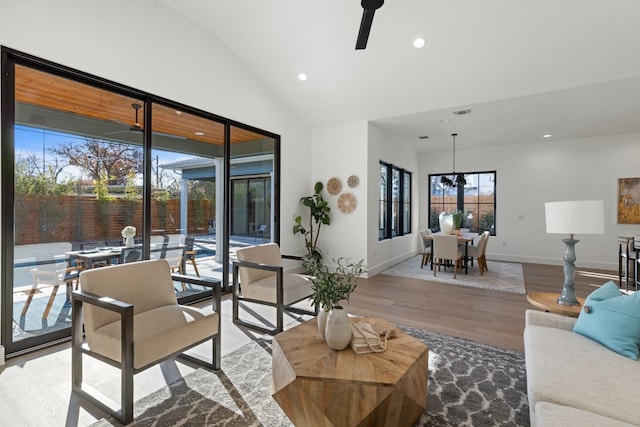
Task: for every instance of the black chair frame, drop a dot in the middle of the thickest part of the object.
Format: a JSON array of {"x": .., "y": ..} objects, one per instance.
[
  {"x": 125, "y": 413},
  {"x": 279, "y": 304}
]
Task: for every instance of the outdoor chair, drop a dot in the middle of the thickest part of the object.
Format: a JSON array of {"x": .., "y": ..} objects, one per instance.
[
  {"x": 258, "y": 277},
  {"x": 478, "y": 251},
  {"x": 190, "y": 253},
  {"x": 132, "y": 320},
  {"x": 51, "y": 270},
  {"x": 445, "y": 248}
]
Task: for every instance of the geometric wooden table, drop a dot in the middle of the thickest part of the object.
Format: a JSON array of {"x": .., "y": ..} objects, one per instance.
[
  {"x": 547, "y": 301},
  {"x": 317, "y": 386}
]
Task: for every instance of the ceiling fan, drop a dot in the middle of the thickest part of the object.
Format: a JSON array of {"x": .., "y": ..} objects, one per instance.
[
  {"x": 369, "y": 7},
  {"x": 137, "y": 127}
]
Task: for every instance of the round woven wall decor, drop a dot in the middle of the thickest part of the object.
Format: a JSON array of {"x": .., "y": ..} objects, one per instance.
[
  {"x": 334, "y": 186},
  {"x": 347, "y": 202},
  {"x": 353, "y": 181}
]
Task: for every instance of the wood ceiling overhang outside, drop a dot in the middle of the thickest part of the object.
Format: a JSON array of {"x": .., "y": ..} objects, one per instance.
[{"x": 42, "y": 89}]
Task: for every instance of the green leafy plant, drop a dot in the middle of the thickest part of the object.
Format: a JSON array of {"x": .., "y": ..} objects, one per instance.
[
  {"x": 457, "y": 219},
  {"x": 319, "y": 214},
  {"x": 331, "y": 287}
]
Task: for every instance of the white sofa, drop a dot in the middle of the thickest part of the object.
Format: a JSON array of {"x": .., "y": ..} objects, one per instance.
[{"x": 575, "y": 381}]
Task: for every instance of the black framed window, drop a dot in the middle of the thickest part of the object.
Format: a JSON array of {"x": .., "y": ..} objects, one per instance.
[
  {"x": 476, "y": 199},
  {"x": 395, "y": 202}
]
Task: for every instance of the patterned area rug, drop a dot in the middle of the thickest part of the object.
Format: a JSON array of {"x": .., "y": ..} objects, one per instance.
[
  {"x": 469, "y": 384},
  {"x": 501, "y": 276}
]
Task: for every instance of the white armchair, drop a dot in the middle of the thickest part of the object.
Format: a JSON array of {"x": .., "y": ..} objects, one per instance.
[
  {"x": 132, "y": 320},
  {"x": 258, "y": 277}
]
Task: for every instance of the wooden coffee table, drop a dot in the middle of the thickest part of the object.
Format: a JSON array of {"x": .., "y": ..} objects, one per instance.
[{"x": 317, "y": 386}]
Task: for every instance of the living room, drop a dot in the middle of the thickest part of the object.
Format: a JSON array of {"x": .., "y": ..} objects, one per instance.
[{"x": 148, "y": 45}]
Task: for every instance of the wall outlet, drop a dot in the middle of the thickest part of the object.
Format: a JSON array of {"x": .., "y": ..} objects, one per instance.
[
  {"x": 504, "y": 244},
  {"x": 520, "y": 217}
]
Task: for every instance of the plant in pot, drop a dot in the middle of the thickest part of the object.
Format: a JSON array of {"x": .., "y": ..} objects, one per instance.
[
  {"x": 319, "y": 214},
  {"x": 457, "y": 220},
  {"x": 329, "y": 289}
]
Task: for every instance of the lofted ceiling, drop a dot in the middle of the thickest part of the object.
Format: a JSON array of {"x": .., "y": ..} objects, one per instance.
[{"x": 567, "y": 68}]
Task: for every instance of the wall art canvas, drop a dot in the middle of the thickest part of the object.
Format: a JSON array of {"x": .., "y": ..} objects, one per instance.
[{"x": 628, "y": 200}]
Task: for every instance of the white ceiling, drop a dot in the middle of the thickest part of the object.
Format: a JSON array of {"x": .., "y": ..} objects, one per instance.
[{"x": 569, "y": 68}]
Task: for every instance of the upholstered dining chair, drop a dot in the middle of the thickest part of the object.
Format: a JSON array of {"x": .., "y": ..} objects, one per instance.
[
  {"x": 132, "y": 320},
  {"x": 445, "y": 248},
  {"x": 426, "y": 243},
  {"x": 259, "y": 277},
  {"x": 478, "y": 251}
]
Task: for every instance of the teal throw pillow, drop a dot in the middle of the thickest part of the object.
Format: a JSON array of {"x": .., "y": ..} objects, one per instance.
[{"x": 612, "y": 319}]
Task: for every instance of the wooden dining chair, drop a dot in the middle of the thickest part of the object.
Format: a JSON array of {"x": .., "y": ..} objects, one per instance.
[
  {"x": 426, "y": 243},
  {"x": 445, "y": 248},
  {"x": 478, "y": 252}
]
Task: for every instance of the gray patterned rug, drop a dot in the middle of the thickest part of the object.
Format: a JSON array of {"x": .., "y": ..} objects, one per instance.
[
  {"x": 470, "y": 384},
  {"x": 501, "y": 276}
]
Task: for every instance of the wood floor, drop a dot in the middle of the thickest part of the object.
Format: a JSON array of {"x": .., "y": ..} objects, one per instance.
[{"x": 35, "y": 388}]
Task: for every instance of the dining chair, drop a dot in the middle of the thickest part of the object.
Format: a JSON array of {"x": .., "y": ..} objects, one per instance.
[
  {"x": 445, "y": 248},
  {"x": 478, "y": 251},
  {"x": 426, "y": 242}
]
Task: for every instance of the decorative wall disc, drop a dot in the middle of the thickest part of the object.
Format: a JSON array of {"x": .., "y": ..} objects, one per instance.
[
  {"x": 353, "y": 181},
  {"x": 334, "y": 186},
  {"x": 347, "y": 202}
]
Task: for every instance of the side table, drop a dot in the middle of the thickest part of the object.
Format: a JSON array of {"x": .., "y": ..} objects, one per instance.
[{"x": 547, "y": 301}]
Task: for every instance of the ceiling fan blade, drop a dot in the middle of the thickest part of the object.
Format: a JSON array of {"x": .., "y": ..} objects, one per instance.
[{"x": 365, "y": 28}]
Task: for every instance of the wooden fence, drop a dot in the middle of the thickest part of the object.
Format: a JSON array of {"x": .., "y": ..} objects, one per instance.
[{"x": 41, "y": 219}]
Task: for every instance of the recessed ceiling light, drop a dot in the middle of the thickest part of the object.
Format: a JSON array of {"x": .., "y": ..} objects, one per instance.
[
  {"x": 419, "y": 43},
  {"x": 302, "y": 77},
  {"x": 199, "y": 133},
  {"x": 546, "y": 136}
]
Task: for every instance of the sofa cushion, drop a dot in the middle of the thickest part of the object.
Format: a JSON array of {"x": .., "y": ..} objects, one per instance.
[
  {"x": 551, "y": 415},
  {"x": 157, "y": 333},
  {"x": 569, "y": 369},
  {"x": 612, "y": 319}
]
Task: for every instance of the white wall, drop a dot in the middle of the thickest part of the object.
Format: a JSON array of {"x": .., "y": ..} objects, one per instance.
[
  {"x": 339, "y": 152},
  {"x": 147, "y": 46},
  {"x": 528, "y": 175}
]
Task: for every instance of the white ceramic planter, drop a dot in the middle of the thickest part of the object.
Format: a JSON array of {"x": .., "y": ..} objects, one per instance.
[{"x": 338, "y": 330}]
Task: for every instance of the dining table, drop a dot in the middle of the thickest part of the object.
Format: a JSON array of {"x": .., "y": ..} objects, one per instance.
[{"x": 463, "y": 237}]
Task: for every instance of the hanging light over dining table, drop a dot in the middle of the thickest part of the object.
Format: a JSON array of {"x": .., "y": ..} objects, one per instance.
[{"x": 458, "y": 179}]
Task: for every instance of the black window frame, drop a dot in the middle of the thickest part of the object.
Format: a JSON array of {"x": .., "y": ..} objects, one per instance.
[
  {"x": 387, "y": 227},
  {"x": 460, "y": 202}
]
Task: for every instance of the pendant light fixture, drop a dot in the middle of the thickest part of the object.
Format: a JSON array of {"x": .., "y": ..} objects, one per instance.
[{"x": 458, "y": 180}]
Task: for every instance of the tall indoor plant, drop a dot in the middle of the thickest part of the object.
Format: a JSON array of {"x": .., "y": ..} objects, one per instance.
[{"x": 319, "y": 214}]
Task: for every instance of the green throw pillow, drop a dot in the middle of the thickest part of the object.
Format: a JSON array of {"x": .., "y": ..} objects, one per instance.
[{"x": 612, "y": 319}]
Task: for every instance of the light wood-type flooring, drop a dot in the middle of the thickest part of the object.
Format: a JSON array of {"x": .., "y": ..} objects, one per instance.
[{"x": 35, "y": 388}]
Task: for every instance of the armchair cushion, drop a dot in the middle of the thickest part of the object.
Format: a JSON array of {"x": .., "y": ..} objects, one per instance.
[
  {"x": 268, "y": 254},
  {"x": 296, "y": 287},
  {"x": 158, "y": 333}
]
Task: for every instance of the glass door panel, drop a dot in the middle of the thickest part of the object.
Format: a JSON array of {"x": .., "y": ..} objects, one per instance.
[
  {"x": 187, "y": 158},
  {"x": 76, "y": 185}
]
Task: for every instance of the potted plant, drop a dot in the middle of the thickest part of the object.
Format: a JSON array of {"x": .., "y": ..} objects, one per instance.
[
  {"x": 331, "y": 287},
  {"x": 319, "y": 211},
  {"x": 457, "y": 220}
]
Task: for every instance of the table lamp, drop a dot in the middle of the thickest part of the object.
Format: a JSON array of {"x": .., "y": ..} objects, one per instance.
[{"x": 573, "y": 217}]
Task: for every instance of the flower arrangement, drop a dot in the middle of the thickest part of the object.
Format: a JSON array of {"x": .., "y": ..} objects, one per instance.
[{"x": 129, "y": 231}]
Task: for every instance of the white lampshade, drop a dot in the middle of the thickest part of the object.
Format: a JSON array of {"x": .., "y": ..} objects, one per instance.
[{"x": 575, "y": 217}]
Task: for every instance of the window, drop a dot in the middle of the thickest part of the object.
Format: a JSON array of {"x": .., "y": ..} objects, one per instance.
[
  {"x": 395, "y": 202},
  {"x": 477, "y": 201}
]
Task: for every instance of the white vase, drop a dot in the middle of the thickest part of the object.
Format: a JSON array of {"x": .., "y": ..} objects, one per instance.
[
  {"x": 129, "y": 242},
  {"x": 338, "y": 330},
  {"x": 446, "y": 223},
  {"x": 322, "y": 321}
]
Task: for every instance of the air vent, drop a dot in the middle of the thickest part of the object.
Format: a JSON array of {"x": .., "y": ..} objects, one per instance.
[
  {"x": 423, "y": 137},
  {"x": 462, "y": 112}
]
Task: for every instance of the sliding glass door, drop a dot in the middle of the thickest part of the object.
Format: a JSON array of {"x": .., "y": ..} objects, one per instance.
[{"x": 83, "y": 159}]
